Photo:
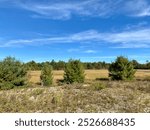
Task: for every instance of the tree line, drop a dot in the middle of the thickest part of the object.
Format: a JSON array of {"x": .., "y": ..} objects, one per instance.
[
  {"x": 13, "y": 72},
  {"x": 60, "y": 65}
]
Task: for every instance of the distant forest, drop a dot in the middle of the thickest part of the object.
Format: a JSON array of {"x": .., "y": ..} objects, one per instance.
[{"x": 60, "y": 65}]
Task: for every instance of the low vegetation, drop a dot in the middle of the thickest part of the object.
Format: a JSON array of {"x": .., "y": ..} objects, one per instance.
[
  {"x": 106, "y": 96},
  {"x": 82, "y": 91}
]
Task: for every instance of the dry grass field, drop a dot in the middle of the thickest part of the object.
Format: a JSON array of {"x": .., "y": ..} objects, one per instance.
[
  {"x": 93, "y": 96},
  {"x": 34, "y": 76},
  {"x": 106, "y": 96}
]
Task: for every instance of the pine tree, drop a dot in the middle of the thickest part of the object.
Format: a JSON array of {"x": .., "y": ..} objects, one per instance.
[
  {"x": 121, "y": 69},
  {"x": 46, "y": 75},
  {"x": 74, "y": 72},
  {"x": 12, "y": 73}
]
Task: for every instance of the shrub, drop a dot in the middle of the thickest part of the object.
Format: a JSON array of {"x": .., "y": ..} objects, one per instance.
[
  {"x": 74, "y": 72},
  {"x": 46, "y": 75},
  {"x": 97, "y": 86},
  {"x": 121, "y": 69},
  {"x": 12, "y": 73}
]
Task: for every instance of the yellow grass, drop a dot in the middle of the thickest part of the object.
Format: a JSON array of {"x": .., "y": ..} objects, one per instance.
[
  {"x": 34, "y": 76},
  {"x": 142, "y": 74}
]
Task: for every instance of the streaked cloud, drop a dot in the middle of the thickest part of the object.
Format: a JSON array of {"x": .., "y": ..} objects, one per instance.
[
  {"x": 81, "y": 50},
  {"x": 66, "y": 9},
  {"x": 73, "y": 50},
  {"x": 90, "y": 8},
  {"x": 90, "y": 51},
  {"x": 139, "y": 38},
  {"x": 138, "y": 8}
]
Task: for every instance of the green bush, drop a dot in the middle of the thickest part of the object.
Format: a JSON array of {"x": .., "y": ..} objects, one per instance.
[
  {"x": 74, "y": 72},
  {"x": 121, "y": 69},
  {"x": 12, "y": 73},
  {"x": 46, "y": 75}
]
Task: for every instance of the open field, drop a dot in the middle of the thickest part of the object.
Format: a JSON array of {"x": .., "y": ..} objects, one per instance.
[
  {"x": 106, "y": 96},
  {"x": 90, "y": 75},
  {"x": 93, "y": 96}
]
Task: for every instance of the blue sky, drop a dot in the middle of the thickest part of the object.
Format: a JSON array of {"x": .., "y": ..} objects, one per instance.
[{"x": 89, "y": 30}]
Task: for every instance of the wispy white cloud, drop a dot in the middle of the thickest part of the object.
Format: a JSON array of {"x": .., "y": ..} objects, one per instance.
[
  {"x": 81, "y": 50},
  {"x": 131, "y": 39},
  {"x": 34, "y": 42},
  {"x": 142, "y": 24},
  {"x": 126, "y": 39},
  {"x": 138, "y": 8},
  {"x": 65, "y": 9},
  {"x": 90, "y": 51},
  {"x": 73, "y": 50},
  {"x": 92, "y": 8}
]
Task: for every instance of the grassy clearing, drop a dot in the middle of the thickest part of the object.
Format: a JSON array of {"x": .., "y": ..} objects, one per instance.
[{"x": 34, "y": 76}]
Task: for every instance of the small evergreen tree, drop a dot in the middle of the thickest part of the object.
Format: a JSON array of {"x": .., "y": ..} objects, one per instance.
[
  {"x": 74, "y": 72},
  {"x": 121, "y": 69},
  {"x": 46, "y": 75},
  {"x": 12, "y": 73}
]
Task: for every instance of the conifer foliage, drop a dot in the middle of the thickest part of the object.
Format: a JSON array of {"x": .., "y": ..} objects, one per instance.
[
  {"x": 121, "y": 69},
  {"x": 12, "y": 73},
  {"x": 46, "y": 75},
  {"x": 74, "y": 72}
]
